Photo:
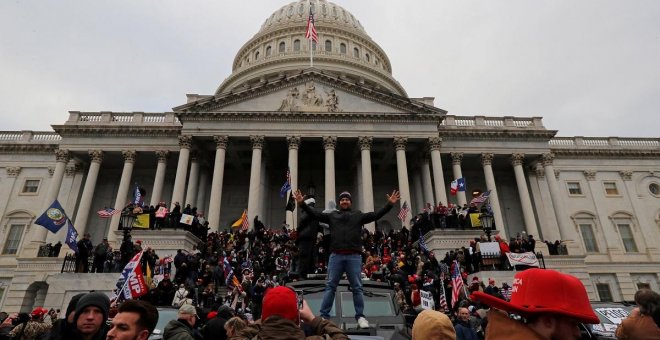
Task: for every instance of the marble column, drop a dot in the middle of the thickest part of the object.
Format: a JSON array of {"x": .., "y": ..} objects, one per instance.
[
  {"x": 566, "y": 231},
  {"x": 122, "y": 193},
  {"x": 329, "y": 145},
  {"x": 438, "y": 177},
  {"x": 38, "y": 233},
  {"x": 200, "y": 198},
  {"x": 193, "y": 179},
  {"x": 255, "y": 178},
  {"x": 159, "y": 180},
  {"x": 294, "y": 145},
  {"x": 417, "y": 193},
  {"x": 365, "y": 143},
  {"x": 517, "y": 160},
  {"x": 456, "y": 159},
  {"x": 427, "y": 187},
  {"x": 185, "y": 142},
  {"x": 88, "y": 191},
  {"x": 486, "y": 162},
  {"x": 216, "y": 183},
  {"x": 402, "y": 173}
]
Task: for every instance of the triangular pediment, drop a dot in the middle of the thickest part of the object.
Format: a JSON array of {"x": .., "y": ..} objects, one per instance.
[{"x": 309, "y": 91}]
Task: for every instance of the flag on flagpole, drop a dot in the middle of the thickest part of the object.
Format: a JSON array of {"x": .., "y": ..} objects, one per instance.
[
  {"x": 287, "y": 184},
  {"x": 241, "y": 221},
  {"x": 71, "y": 237},
  {"x": 131, "y": 283},
  {"x": 107, "y": 212},
  {"x": 138, "y": 199},
  {"x": 461, "y": 183},
  {"x": 456, "y": 283},
  {"x": 53, "y": 218},
  {"x": 290, "y": 204},
  {"x": 141, "y": 221},
  {"x": 481, "y": 198},
  {"x": 246, "y": 223},
  {"x": 422, "y": 243},
  {"x": 311, "y": 33},
  {"x": 404, "y": 211},
  {"x": 453, "y": 187},
  {"x": 443, "y": 300}
]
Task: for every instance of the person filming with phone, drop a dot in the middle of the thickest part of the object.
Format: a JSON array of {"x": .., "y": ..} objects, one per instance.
[{"x": 281, "y": 318}]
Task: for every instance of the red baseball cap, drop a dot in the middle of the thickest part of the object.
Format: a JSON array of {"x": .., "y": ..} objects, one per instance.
[
  {"x": 544, "y": 291},
  {"x": 281, "y": 301}
]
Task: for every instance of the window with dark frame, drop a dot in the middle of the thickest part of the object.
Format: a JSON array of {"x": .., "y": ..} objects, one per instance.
[{"x": 31, "y": 186}]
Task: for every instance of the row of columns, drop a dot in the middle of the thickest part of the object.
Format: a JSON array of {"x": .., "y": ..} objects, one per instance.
[{"x": 430, "y": 187}]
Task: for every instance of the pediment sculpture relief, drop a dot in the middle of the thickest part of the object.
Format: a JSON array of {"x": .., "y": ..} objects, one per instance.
[{"x": 310, "y": 100}]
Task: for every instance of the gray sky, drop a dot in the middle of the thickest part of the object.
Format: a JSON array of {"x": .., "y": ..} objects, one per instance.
[{"x": 589, "y": 68}]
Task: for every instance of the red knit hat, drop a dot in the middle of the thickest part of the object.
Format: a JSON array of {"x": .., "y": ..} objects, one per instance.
[
  {"x": 280, "y": 301},
  {"x": 544, "y": 291}
]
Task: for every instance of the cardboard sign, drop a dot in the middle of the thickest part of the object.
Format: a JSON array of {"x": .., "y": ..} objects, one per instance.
[
  {"x": 427, "y": 299},
  {"x": 187, "y": 219},
  {"x": 491, "y": 248},
  {"x": 525, "y": 259}
]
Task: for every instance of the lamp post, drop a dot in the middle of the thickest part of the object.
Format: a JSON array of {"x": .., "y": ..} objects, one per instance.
[
  {"x": 311, "y": 190},
  {"x": 126, "y": 223},
  {"x": 487, "y": 223}
]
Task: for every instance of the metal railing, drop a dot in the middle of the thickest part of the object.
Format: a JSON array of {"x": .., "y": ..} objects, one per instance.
[
  {"x": 69, "y": 264},
  {"x": 499, "y": 262}
]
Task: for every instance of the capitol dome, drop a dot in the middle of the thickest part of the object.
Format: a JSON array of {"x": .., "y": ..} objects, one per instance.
[{"x": 344, "y": 50}]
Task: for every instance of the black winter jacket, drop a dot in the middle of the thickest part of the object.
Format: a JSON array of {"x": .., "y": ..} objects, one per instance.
[{"x": 346, "y": 225}]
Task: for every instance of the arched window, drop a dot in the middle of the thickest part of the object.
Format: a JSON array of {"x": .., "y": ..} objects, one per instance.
[
  {"x": 342, "y": 48},
  {"x": 328, "y": 46},
  {"x": 256, "y": 55},
  {"x": 366, "y": 56},
  {"x": 586, "y": 224},
  {"x": 282, "y": 47},
  {"x": 268, "y": 51},
  {"x": 296, "y": 45},
  {"x": 356, "y": 52}
]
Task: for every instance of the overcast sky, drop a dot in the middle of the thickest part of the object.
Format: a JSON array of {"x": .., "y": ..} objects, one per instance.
[{"x": 589, "y": 68}]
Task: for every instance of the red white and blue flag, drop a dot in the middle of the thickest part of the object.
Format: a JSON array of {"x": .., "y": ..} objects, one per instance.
[
  {"x": 107, "y": 212},
  {"x": 481, "y": 198},
  {"x": 404, "y": 211},
  {"x": 131, "y": 283},
  {"x": 456, "y": 283},
  {"x": 311, "y": 33}
]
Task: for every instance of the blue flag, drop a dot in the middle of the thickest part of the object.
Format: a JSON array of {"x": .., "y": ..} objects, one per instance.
[
  {"x": 53, "y": 218},
  {"x": 287, "y": 185},
  {"x": 461, "y": 183},
  {"x": 72, "y": 237},
  {"x": 138, "y": 200}
]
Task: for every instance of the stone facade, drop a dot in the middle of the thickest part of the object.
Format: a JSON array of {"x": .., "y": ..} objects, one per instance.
[{"x": 344, "y": 124}]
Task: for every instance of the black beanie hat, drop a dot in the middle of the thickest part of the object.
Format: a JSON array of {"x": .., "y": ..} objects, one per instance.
[
  {"x": 345, "y": 194},
  {"x": 96, "y": 299},
  {"x": 72, "y": 304}
]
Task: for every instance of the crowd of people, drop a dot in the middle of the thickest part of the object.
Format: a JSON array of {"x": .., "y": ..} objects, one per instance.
[{"x": 239, "y": 277}]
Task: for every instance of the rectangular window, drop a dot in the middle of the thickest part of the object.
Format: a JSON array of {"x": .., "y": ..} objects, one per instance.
[
  {"x": 13, "y": 239},
  {"x": 611, "y": 189},
  {"x": 590, "y": 244},
  {"x": 574, "y": 188},
  {"x": 642, "y": 285},
  {"x": 627, "y": 238},
  {"x": 31, "y": 186},
  {"x": 604, "y": 292}
]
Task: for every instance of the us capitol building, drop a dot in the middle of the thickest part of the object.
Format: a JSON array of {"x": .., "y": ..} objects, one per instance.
[{"x": 343, "y": 124}]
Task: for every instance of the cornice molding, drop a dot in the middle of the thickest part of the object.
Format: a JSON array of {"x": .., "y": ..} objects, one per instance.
[
  {"x": 500, "y": 133},
  {"x": 602, "y": 153},
  {"x": 117, "y": 130},
  {"x": 28, "y": 148}
]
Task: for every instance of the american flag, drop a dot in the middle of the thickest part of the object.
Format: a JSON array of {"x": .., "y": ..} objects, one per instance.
[
  {"x": 456, "y": 283},
  {"x": 443, "y": 302},
  {"x": 107, "y": 212},
  {"x": 311, "y": 28},
  {"x": 404, "y": 211},
  {"x": 481, "y": 198}
]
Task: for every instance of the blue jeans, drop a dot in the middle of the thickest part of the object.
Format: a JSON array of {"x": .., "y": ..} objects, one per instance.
[{"x": 338, "y": 265}]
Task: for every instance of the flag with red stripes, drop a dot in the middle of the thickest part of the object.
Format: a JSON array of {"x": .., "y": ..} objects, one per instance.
[
  {"x": 246, "y": 223},
  {"x": 456, "y": 283},
  {"x": 311, "y": 33},
  {"x": 404, "y": 211},
  {"x": 107, "y": 212}
]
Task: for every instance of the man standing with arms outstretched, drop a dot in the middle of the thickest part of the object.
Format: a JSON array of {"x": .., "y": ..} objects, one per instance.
[{"x": 346, "y": 248}]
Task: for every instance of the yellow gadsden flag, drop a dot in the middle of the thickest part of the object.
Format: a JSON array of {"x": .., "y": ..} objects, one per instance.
[
  {"x": 142, "y": 221},
  {"x": 239, "y": 222},
  {"x": 474, "y": 218}
]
